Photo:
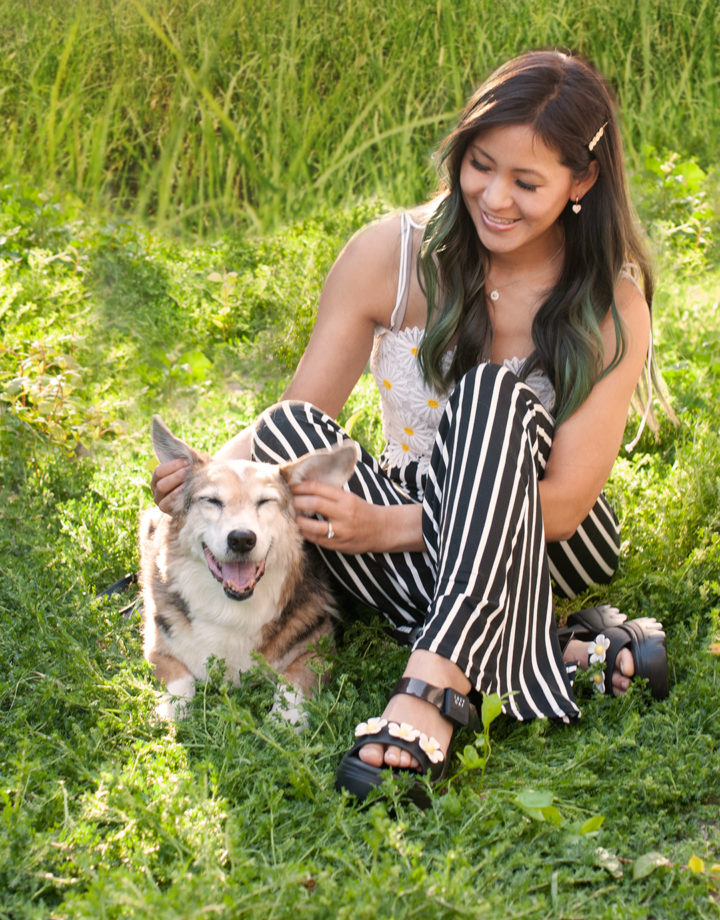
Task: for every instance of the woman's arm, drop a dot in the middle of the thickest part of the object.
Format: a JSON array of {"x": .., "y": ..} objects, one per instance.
[
  {"x": 359, "y": 295},
  {"x": 586, "y": 445}
]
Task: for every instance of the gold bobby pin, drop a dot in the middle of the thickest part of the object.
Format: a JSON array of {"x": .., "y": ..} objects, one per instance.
[{"x": 593, "y": 142}]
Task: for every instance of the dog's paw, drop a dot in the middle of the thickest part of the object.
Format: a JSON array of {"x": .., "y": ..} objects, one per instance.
[
  {"x": 288, "y": 705},
  {"x": 171, "y": 708},
  {"x": 174, "y": 704}
]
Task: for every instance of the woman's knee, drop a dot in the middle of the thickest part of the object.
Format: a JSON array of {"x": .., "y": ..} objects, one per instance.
[
  {"x": 489, "y": 385},
  {"x": 485, "y": 376},
  {"x": 491, "y": 391},
  {"x": 286, "y": 414},
  {"x": 291, "y": 428}
]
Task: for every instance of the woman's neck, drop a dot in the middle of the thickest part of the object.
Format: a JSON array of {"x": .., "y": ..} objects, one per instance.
[{"x": 527, "y": 259}]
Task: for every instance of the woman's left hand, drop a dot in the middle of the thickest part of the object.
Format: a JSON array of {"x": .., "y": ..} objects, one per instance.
[
  {"x": 349, "y": 524},
  {"x": 352, "y": 525}
]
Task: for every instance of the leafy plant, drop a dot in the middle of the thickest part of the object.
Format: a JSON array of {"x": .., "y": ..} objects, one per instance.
[
  {"x": 475, "y": 756},
  {"x": 685, "y": 219}
]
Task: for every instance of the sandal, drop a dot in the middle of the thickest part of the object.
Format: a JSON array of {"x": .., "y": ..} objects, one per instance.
[
  {"x": 359, "y": 778},
  {"x": 644, "y": 636}
]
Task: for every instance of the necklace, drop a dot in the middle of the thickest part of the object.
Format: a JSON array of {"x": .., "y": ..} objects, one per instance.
[{"x": 494, "y": 294}]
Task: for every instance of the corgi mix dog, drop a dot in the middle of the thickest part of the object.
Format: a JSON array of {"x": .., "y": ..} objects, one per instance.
[{"x": 227, "y": 573}]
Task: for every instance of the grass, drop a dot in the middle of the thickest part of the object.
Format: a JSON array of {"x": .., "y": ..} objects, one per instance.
[
  {"x": 253, "y": 112},
  {"x": 103, "y": 814},
  {"x": 111, "y": 111}
]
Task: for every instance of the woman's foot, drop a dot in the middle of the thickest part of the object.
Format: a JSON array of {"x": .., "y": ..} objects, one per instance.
[
  {"x": 577, "y": 650},
  {"x": 444, "y": 673},
  {"x": 434, "y": 669},
  {"x": 632, "y": 648}
]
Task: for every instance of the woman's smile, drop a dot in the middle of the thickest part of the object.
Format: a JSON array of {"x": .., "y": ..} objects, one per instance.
[{"x": 498, "y": 223}]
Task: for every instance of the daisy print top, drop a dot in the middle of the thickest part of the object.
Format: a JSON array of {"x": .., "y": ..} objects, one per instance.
[{"x": 411, "y": 410}]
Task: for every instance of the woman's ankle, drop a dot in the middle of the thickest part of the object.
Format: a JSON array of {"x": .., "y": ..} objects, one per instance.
[{"x": 436, "y": 670}]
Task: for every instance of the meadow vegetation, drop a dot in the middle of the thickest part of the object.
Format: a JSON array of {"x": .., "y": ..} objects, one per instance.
[
  {"x": 175, "y": 181},
  {"x": 256, "y": 112}
]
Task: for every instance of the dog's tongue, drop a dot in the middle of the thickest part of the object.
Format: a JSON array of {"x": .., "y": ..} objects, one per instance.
[
  {"x": 238, "y": 578},
  {"x": 238, "y": 575}
]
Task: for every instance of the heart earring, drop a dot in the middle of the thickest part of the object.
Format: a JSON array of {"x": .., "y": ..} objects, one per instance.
[{"x": 577, "y": 207}]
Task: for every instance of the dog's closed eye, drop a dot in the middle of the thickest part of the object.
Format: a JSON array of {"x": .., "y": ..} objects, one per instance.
[{"x": 211, "y": 500}]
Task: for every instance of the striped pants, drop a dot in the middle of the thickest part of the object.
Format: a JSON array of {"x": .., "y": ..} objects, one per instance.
[{"x": 482, "y": 592}]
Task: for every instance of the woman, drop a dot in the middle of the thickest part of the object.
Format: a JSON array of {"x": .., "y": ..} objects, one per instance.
[{"x": 507, "y": 332}]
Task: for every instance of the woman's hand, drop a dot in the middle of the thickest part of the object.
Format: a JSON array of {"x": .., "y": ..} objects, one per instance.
[
  {"x": 166, "y": 484},
  {"x": 357, "y": 525}
]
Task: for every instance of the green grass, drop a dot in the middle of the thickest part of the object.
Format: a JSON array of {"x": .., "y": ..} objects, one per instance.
[
  {"x": 103, "y": 814},
  {"x": 212, "y": 116},
  {"x": 253, "y": 112}
]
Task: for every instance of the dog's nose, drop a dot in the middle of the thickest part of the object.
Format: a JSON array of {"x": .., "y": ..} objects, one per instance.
[{"x": 241, "y": 541}]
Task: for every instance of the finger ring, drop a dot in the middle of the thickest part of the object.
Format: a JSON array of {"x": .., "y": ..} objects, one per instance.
[{"x": 331, "y": 532}]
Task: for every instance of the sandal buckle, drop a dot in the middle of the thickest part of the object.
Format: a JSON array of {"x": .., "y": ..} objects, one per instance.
[{"x": 456, "y": 707}]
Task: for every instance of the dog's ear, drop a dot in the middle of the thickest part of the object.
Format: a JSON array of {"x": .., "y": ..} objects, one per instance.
[
  {"x": 333, "y": 466},
  {"x": 168, "y": 447}
]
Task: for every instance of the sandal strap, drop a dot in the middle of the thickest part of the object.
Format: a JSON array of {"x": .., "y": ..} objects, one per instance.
[
  {"x": 451, "y": 704},
  {"x": 437, "y": 768}
]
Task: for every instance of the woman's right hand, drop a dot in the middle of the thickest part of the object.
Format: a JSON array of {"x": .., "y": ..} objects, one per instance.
[{"x": 166, "y": 483}]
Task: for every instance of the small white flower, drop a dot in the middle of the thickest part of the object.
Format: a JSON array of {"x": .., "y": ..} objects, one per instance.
[
  {"x": 404, "y": 731},
  {"x": 371, "y": 727},
  {"x": 598, "y": 648},
  {"x": 432, "y": 748},
  {"x": 598, "y": 679}
]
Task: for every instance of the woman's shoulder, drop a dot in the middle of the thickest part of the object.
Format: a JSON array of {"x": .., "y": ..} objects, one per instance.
[
  {"x": 629, "y": 295},
  {"x": 632, "y": 309},
  {"x": 378, "y": 239},
  {"x": 382, "y": 238}
]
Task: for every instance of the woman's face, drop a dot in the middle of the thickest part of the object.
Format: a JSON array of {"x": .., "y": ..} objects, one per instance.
[{"x": 515, "y": 188}]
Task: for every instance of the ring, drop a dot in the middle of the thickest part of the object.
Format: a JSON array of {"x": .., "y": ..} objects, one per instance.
[{"x": 331, "y": 532}]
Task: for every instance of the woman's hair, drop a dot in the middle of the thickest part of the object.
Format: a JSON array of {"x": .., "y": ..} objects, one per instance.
[{"x": 565, "y": 102}]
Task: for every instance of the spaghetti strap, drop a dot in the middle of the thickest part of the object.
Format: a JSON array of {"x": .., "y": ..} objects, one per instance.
[{"x": 407, "y": 225}]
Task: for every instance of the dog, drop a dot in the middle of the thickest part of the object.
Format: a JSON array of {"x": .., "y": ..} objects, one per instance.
[{"x": 227, "y": 573}]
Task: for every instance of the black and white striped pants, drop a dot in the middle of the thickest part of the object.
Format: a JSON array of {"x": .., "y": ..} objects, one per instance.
[{"x": 482, "y": 592}]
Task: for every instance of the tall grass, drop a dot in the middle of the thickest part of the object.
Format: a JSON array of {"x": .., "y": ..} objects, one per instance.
[{"x": 254, "y": 111}]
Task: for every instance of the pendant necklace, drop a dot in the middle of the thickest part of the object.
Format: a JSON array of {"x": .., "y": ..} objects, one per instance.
[{"x": 494, "y": 293}]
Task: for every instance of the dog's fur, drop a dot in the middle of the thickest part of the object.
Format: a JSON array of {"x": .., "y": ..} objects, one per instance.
[{"x": 227, "y": 574}]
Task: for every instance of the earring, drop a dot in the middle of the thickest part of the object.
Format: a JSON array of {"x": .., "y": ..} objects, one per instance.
[{"x": 577, "y": 207}]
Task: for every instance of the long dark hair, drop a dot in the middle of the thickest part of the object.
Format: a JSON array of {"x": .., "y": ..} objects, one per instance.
[{"x": 565, "y": 101}]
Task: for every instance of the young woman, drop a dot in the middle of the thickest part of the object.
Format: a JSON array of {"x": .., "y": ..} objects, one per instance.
[{"x": 507, "y": 324}]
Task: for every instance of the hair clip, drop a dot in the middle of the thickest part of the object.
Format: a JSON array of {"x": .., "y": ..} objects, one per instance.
[{"x": 593, "y": 142}]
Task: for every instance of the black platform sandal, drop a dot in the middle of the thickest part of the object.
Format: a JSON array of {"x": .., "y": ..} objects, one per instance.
[
  {"x": 644, "y": 637},
  {"x": 359, "y": 777}
]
